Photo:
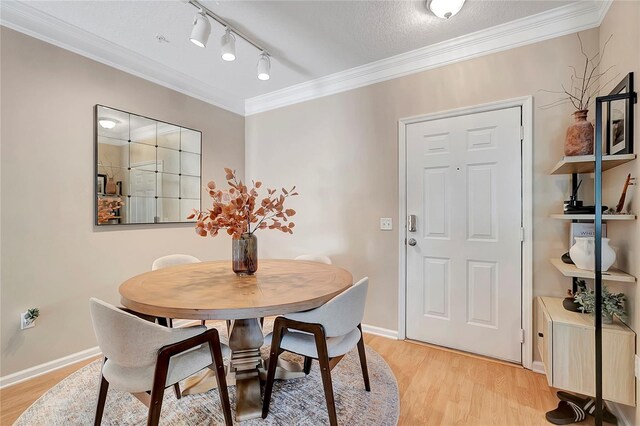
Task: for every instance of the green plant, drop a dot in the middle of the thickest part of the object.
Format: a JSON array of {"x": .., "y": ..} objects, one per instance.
[
  {"x": 32, "y": 314},
  {"x": 612, "y": 303}
]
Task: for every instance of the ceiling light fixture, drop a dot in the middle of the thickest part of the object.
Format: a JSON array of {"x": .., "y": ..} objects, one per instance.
[
  {"x": 201, "y": 29},
  {"x": 106, "y": 123},
  {"x": 445, "y": 8},
  {"x": 264, "y": 67},
  {"x": 228, "y": 46}
]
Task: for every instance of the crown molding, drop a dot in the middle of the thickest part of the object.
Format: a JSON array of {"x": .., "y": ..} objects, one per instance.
[
  {"x": 553, "y": 23},
  {"x": 26, "y": 19}
]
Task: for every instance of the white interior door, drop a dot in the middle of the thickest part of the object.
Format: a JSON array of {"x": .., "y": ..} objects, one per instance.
[{"x": 464, "y": 271}]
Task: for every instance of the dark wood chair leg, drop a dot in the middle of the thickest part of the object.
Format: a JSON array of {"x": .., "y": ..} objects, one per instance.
[
  {"x": 203, "y": 322},
  {"x": 163, "y": 322},
  {"x": 216, "y": 356},
  {"x": 274, "y": 352},
  {"x": 176, "y": 390},
  {"x": 102, "y": 397},
  {"x": 325, "y": 371},
  {"x": 307, "y": 364},
  {"x": 363, "y": 360},
  {"x": 157, "y": 392}
]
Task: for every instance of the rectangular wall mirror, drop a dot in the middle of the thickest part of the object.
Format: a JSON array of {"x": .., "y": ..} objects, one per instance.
[{"x": 147, "y": 171}]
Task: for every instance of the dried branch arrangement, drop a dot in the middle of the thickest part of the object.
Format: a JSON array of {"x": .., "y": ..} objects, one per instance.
[
  {"x": 107, "y": 207},
  {"x": 237, "y": 209},
  {"x": 586, "y": 84}
]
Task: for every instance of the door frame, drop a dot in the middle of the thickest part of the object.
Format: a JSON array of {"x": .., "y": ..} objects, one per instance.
[{"x": 526, "y": 103}]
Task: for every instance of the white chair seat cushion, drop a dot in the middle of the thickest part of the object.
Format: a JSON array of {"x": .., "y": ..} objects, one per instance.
[
  {"x": 140, "y": 379},
  {"x": 305, "y": 344}
]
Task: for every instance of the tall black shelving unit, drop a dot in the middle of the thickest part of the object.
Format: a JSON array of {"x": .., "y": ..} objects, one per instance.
[{"x": 630, "y": 97}]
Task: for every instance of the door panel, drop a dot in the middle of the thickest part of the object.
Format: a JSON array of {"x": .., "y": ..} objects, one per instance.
[{"x": 464, "y": 273}]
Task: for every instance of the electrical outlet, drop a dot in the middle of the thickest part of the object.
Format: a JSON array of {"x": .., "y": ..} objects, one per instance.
[
  {"x": 637, "y": 366},
  {"x": 24, "y": 324},
  {"x": 386, "y": 224}
]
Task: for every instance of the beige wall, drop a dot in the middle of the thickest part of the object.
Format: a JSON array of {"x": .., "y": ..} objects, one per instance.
[
  {"x": 624, "y": 53},
  {"x": 342, "y": 152},
  {"x": 52, "y": 257}
]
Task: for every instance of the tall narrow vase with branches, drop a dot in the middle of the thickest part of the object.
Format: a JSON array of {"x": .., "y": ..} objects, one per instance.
[
  {"x": 241, "y": 213},
  {"x": 583, "y": 88}
]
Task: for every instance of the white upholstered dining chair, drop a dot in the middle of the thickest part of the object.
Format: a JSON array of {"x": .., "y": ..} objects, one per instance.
[
  {"x": 315, "y": 258},
  {"x": 326, "y": 333},
  {"x": 173, "y": 260},
  {"x": 144, "y": 358},
  {"x": 166, "y": 262}
]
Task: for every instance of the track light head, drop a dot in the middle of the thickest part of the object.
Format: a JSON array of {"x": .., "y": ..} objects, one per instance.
[
  {"x": 201, "y": 29},
  {"x": 264, "y": 67},
  {"x": 228, "y": 46}
]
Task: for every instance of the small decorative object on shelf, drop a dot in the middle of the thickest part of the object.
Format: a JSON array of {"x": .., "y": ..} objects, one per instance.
[
  {"x": 612, "y": 303},
  {"x": 573, "y": 203},
  {"x": 583, "y": 254},
  {"x": 583, "y": 89},
  {"x": 629, "y": 181},
  {"x": 569, "y": 302},
  {"x": 239, "y": 211},
  {"x": 620, "y": 120}
]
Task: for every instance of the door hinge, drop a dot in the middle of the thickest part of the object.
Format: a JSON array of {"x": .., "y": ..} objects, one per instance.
[
  {"x": 521, "y": 336},
  {"x": 521, "y": 133},
  {"x": 521, "y": 234}
]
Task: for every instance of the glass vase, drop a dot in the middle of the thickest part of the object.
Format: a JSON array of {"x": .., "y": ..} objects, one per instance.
[{"x": 245, "y": 254}]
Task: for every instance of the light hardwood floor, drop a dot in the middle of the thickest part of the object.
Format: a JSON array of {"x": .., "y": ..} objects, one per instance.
[{"x": 437, "y": 387}]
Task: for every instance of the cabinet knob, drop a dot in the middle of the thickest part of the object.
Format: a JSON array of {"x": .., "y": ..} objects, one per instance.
[{"x": 540, "y": 335}]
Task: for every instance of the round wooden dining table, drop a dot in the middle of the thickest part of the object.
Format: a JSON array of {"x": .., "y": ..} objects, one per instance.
[{"x": 212, "y": 291}]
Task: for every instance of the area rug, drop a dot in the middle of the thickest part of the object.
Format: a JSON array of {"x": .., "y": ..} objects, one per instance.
[{"x": 294, "y": 402}]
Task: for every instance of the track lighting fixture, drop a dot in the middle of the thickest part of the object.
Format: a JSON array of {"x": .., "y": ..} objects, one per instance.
[
  {"x": 445, "y": 8},
  {"x": 228, "y": 46},
  {"x": 201, "y": 29},
  {"x": 264, "y": 67}
]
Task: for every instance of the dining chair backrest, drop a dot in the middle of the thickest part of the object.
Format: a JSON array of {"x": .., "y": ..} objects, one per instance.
[
  {"x": 128, "y": 340},
  {"x": 341, "y": 314},
  {"x": 173, "y": 260},
  {"x": 315, "y": 258}
]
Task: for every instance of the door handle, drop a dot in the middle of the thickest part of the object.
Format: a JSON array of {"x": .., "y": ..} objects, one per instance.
[
  {"x": 412, "y": 242},
  {"x": 411, "y": 223}
]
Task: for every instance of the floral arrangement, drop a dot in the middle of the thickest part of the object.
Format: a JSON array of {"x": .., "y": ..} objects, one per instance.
[
  {"x": 239, "y": 210},
  {"x": 612, "y": 303},
  {"x": 31, "y": 315},
  {"x": 107, "y": 207}
]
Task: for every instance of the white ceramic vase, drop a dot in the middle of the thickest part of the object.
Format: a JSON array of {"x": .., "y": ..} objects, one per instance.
[{"x": 583, "y": 253}]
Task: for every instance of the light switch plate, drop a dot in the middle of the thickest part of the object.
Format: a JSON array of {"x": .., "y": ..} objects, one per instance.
[{"x": 386, "y": 224}]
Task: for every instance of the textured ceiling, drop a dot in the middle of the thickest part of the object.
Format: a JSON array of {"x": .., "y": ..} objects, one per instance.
[{"x": 308, "y": 39}]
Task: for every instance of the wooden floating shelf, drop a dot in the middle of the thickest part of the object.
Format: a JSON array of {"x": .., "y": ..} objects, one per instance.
[
  {"x": 587, "y": 163},
  {"x": 592, "y": 216},
  {"x": 612, "y": 274}
]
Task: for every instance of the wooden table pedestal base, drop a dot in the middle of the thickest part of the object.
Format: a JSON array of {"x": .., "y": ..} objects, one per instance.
[{"x": 245, "y": 370}]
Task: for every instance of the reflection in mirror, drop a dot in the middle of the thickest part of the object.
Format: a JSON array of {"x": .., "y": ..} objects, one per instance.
[
  {"x": 169, "y": 136},
  {"x": 191, "y": 140},
  {"x": 147, "y": 171},
  {"x": 168, "y": 160},
  {"x": 190, "y": 187}
]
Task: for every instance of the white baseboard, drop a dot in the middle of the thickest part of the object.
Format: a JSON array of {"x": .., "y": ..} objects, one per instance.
[
  {"x": 379, "y": 331},
  {"x": 622, "y": 419},
  {"x": 39, "y": 370},
  {"x": 537, "y": 367}
]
